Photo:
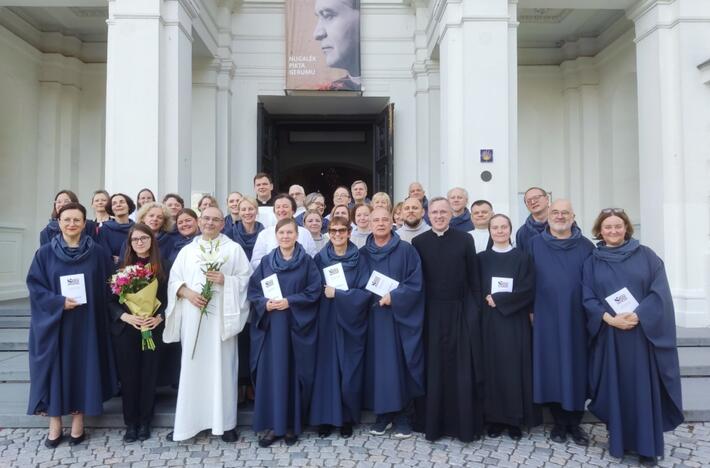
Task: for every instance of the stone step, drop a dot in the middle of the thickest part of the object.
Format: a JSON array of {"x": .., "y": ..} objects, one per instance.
[
  {"x": 14, "y": 321},
  {"x": 694, "y": 361},
  {"x": 14, "y": 339},
  {"x": 15, "y": 307},
  {"x": 690, "y": 337}
]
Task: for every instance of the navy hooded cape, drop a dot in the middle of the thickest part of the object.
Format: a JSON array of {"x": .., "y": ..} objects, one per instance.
[
  {"x": 394, "y": 359},
  {"x": 51, "y": 230},
  {"x": 559, "y": 328},
  {"x": 71, "y": 359},
  {"x": 245, "y": 239},
  {"x": 527, "y": 231},
  {"x": 342, "y": 334},
  {"x": 283, "y": 342},
  {"x": 634, "y": 374},
  {"x": 462, "y": 222},
  {"x": 113, "y": 236}
]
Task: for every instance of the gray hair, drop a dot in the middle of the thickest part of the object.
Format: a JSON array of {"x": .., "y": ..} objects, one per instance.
[
  {"x": 312, "y": 197},
  {"x": 465, "y": 192},
  {"x": 441, "y": 199}
]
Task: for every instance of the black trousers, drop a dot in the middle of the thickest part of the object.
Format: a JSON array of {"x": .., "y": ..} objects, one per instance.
[
  {"x": 138, "y": 371},
  {"x": 564, "y": 418}
]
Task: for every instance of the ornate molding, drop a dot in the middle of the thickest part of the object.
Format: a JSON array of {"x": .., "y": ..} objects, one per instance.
[{"x": 543, "y": 15}]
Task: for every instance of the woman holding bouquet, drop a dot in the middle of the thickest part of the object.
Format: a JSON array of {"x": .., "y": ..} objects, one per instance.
[
  {"x": 137, "y": 364},
  {"x": 283, "y": 336},
  {"x": 71, "y": 360}
]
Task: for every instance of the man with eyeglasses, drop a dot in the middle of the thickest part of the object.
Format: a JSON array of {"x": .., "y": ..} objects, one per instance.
[
  {"x": 413, "y": 217},
  {"x": 559, "y": 322},
  {"x": 341, "y": 196},
  {"x": 537, "y": 203},
  {"x": 298, "y": 193},
  {"x": 207, "y": 328}
]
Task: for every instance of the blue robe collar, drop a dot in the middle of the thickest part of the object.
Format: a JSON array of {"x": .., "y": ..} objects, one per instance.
[
  {"x": 379, "y": 253},
  {"x": 71, "y": 254},
  {"x": 114, "y": 225},
  {"x": 616, "y": 254},
  {"x": 349, "y": 260},
  {"x": 246, "y": 239},
  {"x": 536, "y": 226},
  {"x": 463, "y": 218},
  {"x": 279, "y": 263},
  {"x": 562, "y": 244}
]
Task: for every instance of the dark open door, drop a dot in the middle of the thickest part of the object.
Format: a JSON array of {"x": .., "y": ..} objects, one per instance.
[
  {"x": 266, "y": 145},
  {"x": 383, "y": 165}
]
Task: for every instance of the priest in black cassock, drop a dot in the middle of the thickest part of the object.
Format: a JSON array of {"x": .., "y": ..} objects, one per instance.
[
  {"x": 559, "y": 328},
  {"x": 508, "y": 286},
  {"x": 538, "y": 202},
  {"x": 394, "y": 358},
  {"x": 454, "y": 372}
]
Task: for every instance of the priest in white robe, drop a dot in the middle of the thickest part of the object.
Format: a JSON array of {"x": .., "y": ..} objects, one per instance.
[{"x": 207, "y": 394}]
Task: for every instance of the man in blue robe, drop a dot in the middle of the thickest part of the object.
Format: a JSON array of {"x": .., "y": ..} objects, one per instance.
[
  {"x": 559, "y": 328},
  {"x": 394, "y": 362},
  {"x": 537, "y": 201},
  {"x": 458, "y": 199}
]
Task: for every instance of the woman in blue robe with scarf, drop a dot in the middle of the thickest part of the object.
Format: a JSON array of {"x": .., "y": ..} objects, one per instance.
[
  {"x": 114, "y": 232},
  {"x": 342, "y": 334},
  {"x": 52, "y": 229},
  {"x": 634, "y": 374},
  {"x": 283, "y": 337},
  {"x": 71, "y": 360},
  {"x": 185, "y": 231}
]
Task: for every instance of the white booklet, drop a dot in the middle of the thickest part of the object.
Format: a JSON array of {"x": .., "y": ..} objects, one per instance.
[
  {"x": 499, "y": 284},
  {"x": 380, "y": 284},
  {"x": 335, "y": 277},
  {"x": 74, "y": 287},
  {"x": 271, "y": 287},
  {"x": 622, "y": 301}
]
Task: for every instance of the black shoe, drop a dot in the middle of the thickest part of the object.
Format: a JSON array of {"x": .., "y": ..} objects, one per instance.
[
  {"x": 77, "y": 440},
  {"x": 144, "y": 432},
  {"x": 169, "y": 437},
  {"x": 324, "y": 430},
  {"x": 290, "y": 439},
  {"x": 558, "y": 434},
  {"x": 578, "y": 435},
  {"x": 268, "y": 439},
  {"x": 515, "y": 433},
  {"x": 647, "y": 461},
  {"x": 346, "y": 431},
  {"x": 53, "y": 443},
  {"x": 495, "y": 430},
  {"x": 131, "y": 434},
  {"x": 230, "y": 436}
]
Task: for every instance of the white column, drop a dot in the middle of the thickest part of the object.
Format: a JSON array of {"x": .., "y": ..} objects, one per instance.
[
  {"x": 672, "y": 41},
  {"x": 204, "y": 127},
  {"x": 148, "y": 95},
  {"x": 475, "y": 53},
  {"x": 224, "y": 126}
]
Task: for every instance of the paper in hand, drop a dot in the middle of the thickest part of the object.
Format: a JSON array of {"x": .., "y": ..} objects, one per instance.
[
  {"x": 73, "y": 287},
  {"x": 335, "y": 277},
  {"x": 499, "y": 284},
  {"x": 380, "y": 284},
  {"x": 622, "y": 301},
  {"x": 271, "y": 288}
]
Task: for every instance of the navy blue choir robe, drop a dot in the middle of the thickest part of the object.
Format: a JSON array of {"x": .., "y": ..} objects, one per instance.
[
  {"x": 71, "y": 359},
  {"x": 325, "y": 223},
  {"x": 462, "y": 222},
  {"x": 527, "y": 231},
  {"x": 507, "y": 339},
  {"x": 113, "y": 236},
  {"x": 283, "y": 342},
  {"x": 394, "y": 359},
  {"x": 51, "y": 230},
  {"x": 342, "y": 334},
  {"x": 559, "y": 323},
  {"x": 179, "y": 241},
  {"x": 228, "y": 224},
  {"x": 452, "y": 336},
  {"x": 634, "y": 374}
]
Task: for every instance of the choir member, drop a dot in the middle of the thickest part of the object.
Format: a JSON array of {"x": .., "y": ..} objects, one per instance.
[
  {"x": 63, "y": 197},
  {"x": 341, "y": 211},
  {"x": 144, "y": 196},
  {"x": 313, "y": 223},
  {"x": 634, "y": 375},
  {"x": 206, "y": 201},
  {"x": 159, "y": 219},
  {"x": 99, "y": 201},
  {"x": 454, "y": 372},
  {"x": 394, "y": 359},
  {"x": 232, "y": 217},
  {"x": 398, "y": 219},
  {"x": 209, "y": 366},
  {"x": 537, "y": 203},
  {"x": 342, "y": 334},
  {"x": 359, "y": 192},
  {"x": 559, "y": 331},
  {"x": 458, "y": 199},
  {"x": 283, "y": 336},
  {"x": 138, "y": 368},
  {"x": 174, "y": 203},
  {"x": 341, "y": 196},
  {"x": 382, "y": 200},
  {"x": 413, "y": 220},
  {"x": 314, "y": 202},
  {"x": 187, "y": 228},
  {"x": 361, "y": 217},
  {"x": 416, "y": 190},
  {"x": 71, "y": 360},
  {"x": 298, "y": 193},
  {"x": 481, "y": 212},
  {"x": 114, "y": 232},
  {"x": 508, "y": 287}
]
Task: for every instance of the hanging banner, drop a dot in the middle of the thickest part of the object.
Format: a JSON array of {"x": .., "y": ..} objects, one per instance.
[{"x": 323, "y": 45}]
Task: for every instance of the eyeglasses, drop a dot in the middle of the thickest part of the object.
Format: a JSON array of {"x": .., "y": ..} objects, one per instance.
[
  {"x": 210, "y": 219},
  {"x": 338, "y": 230},
  {"x": 140, "y": 240},
  {"x": 564, "y": 214},
  {"x": 533, "y": 199},
  {"x": 613, "y": 211},
  {"x": 71, "y": 221}
]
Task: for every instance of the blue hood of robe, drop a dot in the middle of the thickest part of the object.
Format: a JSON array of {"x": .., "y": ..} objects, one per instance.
[
  {"x": 378, "y": 253},
  {"x": 562, "y": 244},
  {"x": 72, "y": 254},
  {"x": 328, "y": 256},
  {"x": 616, "y": 254},
  {"x": 279, "y": 263}
]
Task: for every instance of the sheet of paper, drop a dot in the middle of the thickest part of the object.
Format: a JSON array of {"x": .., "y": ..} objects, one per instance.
[
  {"x": 380, "y": 284},
  {"x": 271, "y": 287},
  {"x": 335, "y": 277},
  {"x": 622, "y": 301},
  {"x": 500, "y": 284},
  {"x": 74, "y": 287}
]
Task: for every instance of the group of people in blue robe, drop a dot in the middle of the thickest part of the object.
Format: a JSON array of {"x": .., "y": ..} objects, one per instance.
[{"x": 578, "y": 324}]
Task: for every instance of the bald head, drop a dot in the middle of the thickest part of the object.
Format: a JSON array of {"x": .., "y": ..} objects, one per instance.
[
  {"x": 561, "y": 218},
  {"x": 381, "y": 225}
]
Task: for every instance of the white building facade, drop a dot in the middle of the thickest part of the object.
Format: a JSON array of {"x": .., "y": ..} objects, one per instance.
[{"x": 605, "y": 102}]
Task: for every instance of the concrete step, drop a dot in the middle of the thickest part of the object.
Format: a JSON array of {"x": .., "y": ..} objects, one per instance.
[
  {"x": 688, "y": 337},
  {"x": 14, "y": 366},
  {"x": 694, "y": 361},
  {"x": 14, "y": 339},
  {"x": 14, "y": 321},
  {"x": 15, "y": 307}
]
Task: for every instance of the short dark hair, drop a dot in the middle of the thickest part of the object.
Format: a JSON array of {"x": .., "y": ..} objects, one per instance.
[
  {"x": 129, "y": 202},
  {"x": 188, "y": 211},
  {"x": 261, "y": 175},
  {"x": 482, "y": 202},
  {"x": 176, "y": 197},
  {"x": 608, "y": 213},
  {"x": 288, "y": 197},
  {"x": 72, "y": 196},
  {"x": 284, "y": 222},
  {"x": 340, "y": 221},
  {"x": 544, "y": 192},
  {"x": 72, "y": 206}
]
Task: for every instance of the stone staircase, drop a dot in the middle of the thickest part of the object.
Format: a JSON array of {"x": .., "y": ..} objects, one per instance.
[{"x": 693, "y": 348}]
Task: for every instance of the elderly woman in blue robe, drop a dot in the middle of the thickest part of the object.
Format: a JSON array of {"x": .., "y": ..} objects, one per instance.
[
  {"x": 634, "y": 371},
  {"x": 71, "y": 360}
]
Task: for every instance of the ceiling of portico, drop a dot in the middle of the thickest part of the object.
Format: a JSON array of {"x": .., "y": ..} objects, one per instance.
[{"x": 86, "y": 23}]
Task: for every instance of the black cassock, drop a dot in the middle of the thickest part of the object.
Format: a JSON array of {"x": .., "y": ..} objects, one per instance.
[
  {"x": 507, "y": 340},
  {"x": 452, "y": 337}
]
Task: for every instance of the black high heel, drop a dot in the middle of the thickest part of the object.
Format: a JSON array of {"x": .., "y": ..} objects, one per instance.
[
  {"x": 53, "y": 443},
  {"x": 77, "y": 440}
]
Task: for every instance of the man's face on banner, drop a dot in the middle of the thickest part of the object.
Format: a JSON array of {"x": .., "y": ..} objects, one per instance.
[{"x": 338, "y": 30}]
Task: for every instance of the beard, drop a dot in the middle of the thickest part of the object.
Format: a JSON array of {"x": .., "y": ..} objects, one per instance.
[{"x": 413, "y": 224}]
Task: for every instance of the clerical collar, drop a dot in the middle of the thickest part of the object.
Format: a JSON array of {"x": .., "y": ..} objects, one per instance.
[
  {"x": 439, "y": 234},
  {"x": 503, "y": 249}
]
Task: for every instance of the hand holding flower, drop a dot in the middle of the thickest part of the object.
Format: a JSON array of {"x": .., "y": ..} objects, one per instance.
[{"x": 217, "y": 277}]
